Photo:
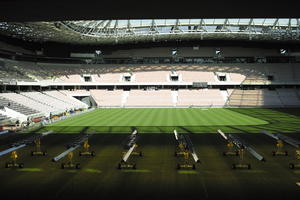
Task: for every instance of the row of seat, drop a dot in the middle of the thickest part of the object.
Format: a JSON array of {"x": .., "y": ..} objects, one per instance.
[
  {"x": 3, "y": 117},
  {"x": 282, "y": 97},
  {"x": 32, "y": 103},
  {"x": 29, "y": 103},
  {"x": 148, "y": 73},
  {"x": 157, "y": 98},
  {"x": 11, "y": 104}
]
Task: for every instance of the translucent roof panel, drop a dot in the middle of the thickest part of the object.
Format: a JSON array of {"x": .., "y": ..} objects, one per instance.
[
  {"x": 100, "y": 30},
  {"x": 171, "y": 21},
  {"x": 282, "y": 22},
  {"x": 209, "y": 21},
  {"x": 184, "y": 21},
  {"x": 295, "y": 22},
  {"x": 122, "y": 23},
  {"x": 146, "y": 22},
  {"x": 270, "y": 22},
  {"x": 136, "y": 22},
  {"x": 233, "y": 21},
  {"x": 243, "y": 21},
  {"x": 219, "y": 21},
  {"x": 187, "y": 25},
  {"x": 259, "y": 21},
  {"x": 195, "y": 21}
]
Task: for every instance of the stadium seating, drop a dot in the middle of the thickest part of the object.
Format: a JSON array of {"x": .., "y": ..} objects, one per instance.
[
  {"x": 107, "y": 77},
  {"x": 235, "y": 77},
  {"x": 65, "y": 98},
  {"x": 288, "y": 97},
  {"x": 107, "y": 98},
  {"x": 236, "y": 74},
  {"x": 255, "y": 98},
  {"x": 11, "y": 104},
  {"x": 281, "y": 73},
  {"x": 47, "y": 100},
  {"x": 22, "y": 71},
  {"x": 202, "y": 97},
  {"x": 151, "y": 98},
  {"x": 72, "y": 93},
  {"x": 199, "y": 97},
  {"x": 197, "y": 76},
  {"x": 3, "y": 117},
  {"x": 29, "y": 103},
  {"x": 71, "y": 79},
  {"x": 229, "y": 91},
  {"x": 152, "y": 76},
  {"x": 71, "y": 73}
]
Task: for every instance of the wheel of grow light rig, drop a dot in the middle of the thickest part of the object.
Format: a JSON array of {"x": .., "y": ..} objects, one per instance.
[
  {"x": 77, "y": 166},
  {"x": 291, "y": 165},
  {"x": 194, "y": 166}
]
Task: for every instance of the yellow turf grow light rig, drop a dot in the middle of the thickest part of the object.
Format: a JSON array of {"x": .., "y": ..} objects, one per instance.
[
  {"x": 185, "y": 148},
  {"x": 130, "y": 146},
  {"x": 80, "y": 141},
  {"x": 36, "y": 139},
  {"x": 241, "y": 146},
  {"x": 293, "y": 142}
]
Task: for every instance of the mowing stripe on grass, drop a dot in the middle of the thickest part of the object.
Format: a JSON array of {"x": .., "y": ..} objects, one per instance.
[
  {"x": 30, "y": 170},
  {"x": 136, "y": 170},
  {"x": 92, "y": 171},
  {"x": 196, "y": 120},
  {"x": 187, "y": 172},
  {"x": 160, "y": 117}
]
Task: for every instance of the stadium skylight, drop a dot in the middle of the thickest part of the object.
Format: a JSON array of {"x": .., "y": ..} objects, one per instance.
[{"x": 114, "y": 31}]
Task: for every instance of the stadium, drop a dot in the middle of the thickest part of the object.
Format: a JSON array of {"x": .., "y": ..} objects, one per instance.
[{"x": 150, "y": 105}]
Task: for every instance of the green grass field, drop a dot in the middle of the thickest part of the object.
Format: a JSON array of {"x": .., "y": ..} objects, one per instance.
[
  {"x": 156, "y": 176},
  {"x": 184, "y": 120}
]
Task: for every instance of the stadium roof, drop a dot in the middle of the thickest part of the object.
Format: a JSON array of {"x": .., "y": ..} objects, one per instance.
[{"x": 142, "y": 30}]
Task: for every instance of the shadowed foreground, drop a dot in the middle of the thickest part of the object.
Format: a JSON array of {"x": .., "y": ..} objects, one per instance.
[{"x": 156, "y": 176}]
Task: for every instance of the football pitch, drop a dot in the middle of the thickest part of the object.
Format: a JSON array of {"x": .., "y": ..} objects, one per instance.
[
  {"x": 156, "y": 176},
  {"x": 184, "y": 120}
]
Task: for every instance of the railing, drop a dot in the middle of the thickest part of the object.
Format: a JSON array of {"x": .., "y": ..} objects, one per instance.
[
  {"x": 268, "y": 82},
  {"x": 50, "y": 121}
]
